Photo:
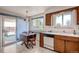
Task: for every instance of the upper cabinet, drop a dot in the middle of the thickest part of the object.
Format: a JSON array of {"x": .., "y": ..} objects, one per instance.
[
  {"x": 77, "y": 15},
  {"x": 48, "y": 19}
]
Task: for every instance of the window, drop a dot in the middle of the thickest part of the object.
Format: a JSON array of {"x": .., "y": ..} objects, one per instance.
[
  {"x": 59, "y": 20},
  {"x": 67, "y": 19},
  {"x": 63, "y": 19},
  {"x": 38, "y": 23},
  {"x": 35, "y": 22}
]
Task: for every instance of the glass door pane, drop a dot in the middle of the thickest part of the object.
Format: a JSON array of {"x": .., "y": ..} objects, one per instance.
[{"x": 9, "y": 30}]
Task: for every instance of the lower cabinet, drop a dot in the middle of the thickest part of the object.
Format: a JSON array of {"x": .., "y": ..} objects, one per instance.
[
  {"x": 41, "y": 41},
  {"x": 72, "y": 47},
  {"x": 59, "y": 45},
  {"x": 66, "y": 44},
  {"x": 63, "y": 44}
]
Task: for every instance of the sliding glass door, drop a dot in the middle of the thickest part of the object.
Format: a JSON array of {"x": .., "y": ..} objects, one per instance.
[{"x": 9, "y": 30}]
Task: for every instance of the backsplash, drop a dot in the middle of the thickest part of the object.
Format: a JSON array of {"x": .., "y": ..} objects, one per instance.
[{"x": 60, "y": 30}]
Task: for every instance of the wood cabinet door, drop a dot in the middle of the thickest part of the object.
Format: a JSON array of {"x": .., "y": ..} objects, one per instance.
[
  {"x": 77, "y": 10},
  {"x": 72, "y": 47},
  {"x": 48, "y": 19},
  {"x": 41, "y": 43},
  {"x": 59, "y": 45}
]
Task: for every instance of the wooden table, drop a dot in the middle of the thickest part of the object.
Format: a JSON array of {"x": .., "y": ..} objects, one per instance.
[{"x": 29, "y": 37}]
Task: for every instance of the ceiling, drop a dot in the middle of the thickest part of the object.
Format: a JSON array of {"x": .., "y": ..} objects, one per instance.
[
  {"x": 31, "y": 10},
  {"x": 21, "y": 10}
]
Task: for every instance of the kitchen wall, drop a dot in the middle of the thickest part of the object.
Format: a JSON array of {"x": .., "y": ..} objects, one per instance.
[{"x": 68, "y": 30}]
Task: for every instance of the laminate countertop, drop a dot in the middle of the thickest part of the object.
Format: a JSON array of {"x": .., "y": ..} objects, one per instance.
[{"x": 64, "y": 34}]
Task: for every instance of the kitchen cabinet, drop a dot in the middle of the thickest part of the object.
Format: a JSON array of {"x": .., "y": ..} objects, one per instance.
[
  {"x": 41, "y": 41},
  {"x": 48, "y": 19},
  {"x": 59, "y": 44},
  {"x": 77, "y": 10},
  {"x": 71, "y": 44},
  {"x": 66, "y": 44},
  {"x": 72, "y": 47}
]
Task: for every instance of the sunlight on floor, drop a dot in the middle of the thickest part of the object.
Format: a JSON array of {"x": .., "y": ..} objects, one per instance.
[{"x": 18, "y": 48}]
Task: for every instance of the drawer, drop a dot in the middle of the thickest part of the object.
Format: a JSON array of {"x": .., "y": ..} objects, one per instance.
[{"x": 67, "y": 38}]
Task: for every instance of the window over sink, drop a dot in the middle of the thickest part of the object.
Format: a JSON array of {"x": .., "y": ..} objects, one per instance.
[
  {"x": 63, "y": 19},
  {"x": 67, "y": 19}
]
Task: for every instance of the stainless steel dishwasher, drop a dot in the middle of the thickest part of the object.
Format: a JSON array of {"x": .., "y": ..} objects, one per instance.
[{"x": 49, "y": 41}]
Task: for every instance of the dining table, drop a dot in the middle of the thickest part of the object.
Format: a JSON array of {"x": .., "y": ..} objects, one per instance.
[{"x": 28, "y": 37}]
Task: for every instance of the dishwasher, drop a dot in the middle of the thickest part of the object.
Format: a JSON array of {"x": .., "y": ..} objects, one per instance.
[{"x": 49, "y": 41}]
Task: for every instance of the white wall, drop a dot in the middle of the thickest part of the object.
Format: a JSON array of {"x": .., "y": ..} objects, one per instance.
[
  {"x": 0, "y": 31},
  {"x": 22, "y": 26}
]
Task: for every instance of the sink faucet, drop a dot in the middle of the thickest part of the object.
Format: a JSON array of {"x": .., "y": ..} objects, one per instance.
[
  {"x": 63, "y": 31},
  {"x": 74, "y": 32},
  {"x": 50, "y": 31}
]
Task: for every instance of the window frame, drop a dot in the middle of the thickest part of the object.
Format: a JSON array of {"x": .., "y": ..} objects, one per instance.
[
  {"x": 61, "y": 13},
  {"x": 40, "y": 21},
  {"x": 65, "y": 13}
]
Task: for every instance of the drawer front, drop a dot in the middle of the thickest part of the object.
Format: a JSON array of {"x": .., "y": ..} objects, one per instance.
[{"x": 67, "y": 38}]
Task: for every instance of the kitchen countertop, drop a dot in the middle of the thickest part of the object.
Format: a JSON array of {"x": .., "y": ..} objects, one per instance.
[{"x": 64, "y": 34}]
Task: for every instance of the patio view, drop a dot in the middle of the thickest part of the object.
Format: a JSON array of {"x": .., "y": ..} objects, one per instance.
[{"x": 9, "y": 31}]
